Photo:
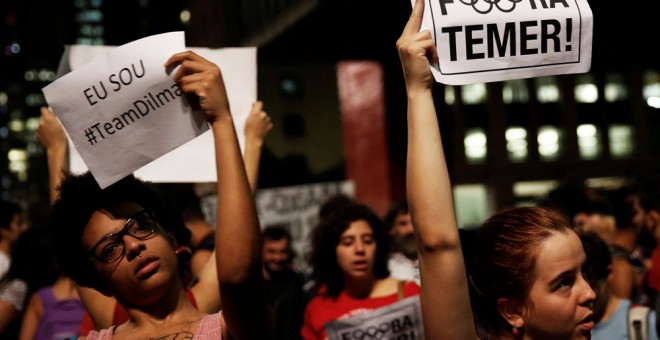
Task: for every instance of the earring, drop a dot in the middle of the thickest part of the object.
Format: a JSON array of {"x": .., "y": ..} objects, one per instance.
[{"x": 515, "y": 331}]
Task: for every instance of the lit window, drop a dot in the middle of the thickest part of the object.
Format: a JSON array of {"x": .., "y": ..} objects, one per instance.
[
  {"x": 605, "y": 183},
  {"x": 32, "y": 124},
  {"x": 471, "y": 204},
  {"x": 547, "y": 90},
  {"x": 4, "y": 98},
  {"x": 621, "y": 140},
  {"x": 515, "y": 91},
  {"x": 184, "y": 16},
  {"x": 516, "y": 143},
  {"x": 475, "y": 145},
  {"x": 16, "y": 125},
  {"x": 533, "y": 189},
  {"x": 18, "y": 163},
  {"x": 450, "y": 95},
  {"x": 548, "y": 139},
  {"x": 474, "y": 93},
  {"x": 588, "y": 137},
  {"x": 585, "y": 89},
  {"x": 30, "y": 75},
  {"x": 615, "y": 88},
  {"x": 651, "y": 89}
]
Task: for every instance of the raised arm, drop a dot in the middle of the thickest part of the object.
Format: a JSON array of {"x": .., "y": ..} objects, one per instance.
[
  {"x": 445, "y": 297},
  {"x": 237, "y": 230},
  {"x": 257, "y": 125},
  {"x": 51, "y": 135}
]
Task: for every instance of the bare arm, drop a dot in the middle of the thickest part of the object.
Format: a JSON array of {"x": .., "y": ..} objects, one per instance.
[
  {"x": 7, "y": 314},
  {"x": 237, "y": 230},
  {"x": 257, "y": 126},
  {"x": 51, "y": 135},
  {"x": 31, "y": 317},
  {"x": 445, "y": 297}
]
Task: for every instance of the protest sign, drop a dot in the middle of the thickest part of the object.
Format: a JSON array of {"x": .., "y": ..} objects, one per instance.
[
  {"x": 194, "y": 161},
  {"x": 401, "y": 321},
  {"x": 484, "y": 41},
  {"x": 297, "y": 207}
]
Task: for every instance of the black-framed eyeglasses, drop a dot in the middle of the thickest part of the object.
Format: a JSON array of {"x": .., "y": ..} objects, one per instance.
[{"x": 111, "y": 247}]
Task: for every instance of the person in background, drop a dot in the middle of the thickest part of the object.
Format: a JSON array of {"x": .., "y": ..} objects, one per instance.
[
  {"x": 525, "y": 264},
  {"x": 402, "y": 263},
  {"x": 29, "y": 271},
  {"x": 650, "y": 203},
  {"x": 349, "y": 256},
  {"x": 596, "y": 215},
  {"x": 610, "y": 311},
  {"x": 11, "y": 228},
  {"x": 283, "y": 285},
  {"x": 53, "y": 312},
  {"x": 628, "y": 264}
]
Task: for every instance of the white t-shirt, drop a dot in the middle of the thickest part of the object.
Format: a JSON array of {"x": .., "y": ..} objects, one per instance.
[
  {"x": 5, "y": 261},
  {"x": 403, "y": 268},
  {"x": 14, "y": 292}
]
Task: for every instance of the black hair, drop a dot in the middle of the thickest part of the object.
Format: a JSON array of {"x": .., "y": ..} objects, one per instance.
[
  {"x": 278, "y": 232},
  {"x": 183, "y": 197},
  {"x": 326, "y": 236},
  {"x": 398, "y": 207},
  {"x": 79, "y": 197},
  {"x": 598, "y": 263},
  {"x": 7, "y": 211}
]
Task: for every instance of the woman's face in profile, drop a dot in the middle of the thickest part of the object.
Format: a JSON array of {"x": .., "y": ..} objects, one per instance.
[{"x": 561, "y": 299}]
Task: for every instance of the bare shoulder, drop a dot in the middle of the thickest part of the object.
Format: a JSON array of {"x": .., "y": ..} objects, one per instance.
[{"x": 385, "y": 287}]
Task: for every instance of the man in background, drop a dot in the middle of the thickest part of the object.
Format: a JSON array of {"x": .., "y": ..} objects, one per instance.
[
  {"x": 403, "y": 263},
  {"x": 283, "y": 285}
]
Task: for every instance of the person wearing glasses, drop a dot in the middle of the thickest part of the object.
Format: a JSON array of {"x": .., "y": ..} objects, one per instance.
[{"x": 115, "y": 240}]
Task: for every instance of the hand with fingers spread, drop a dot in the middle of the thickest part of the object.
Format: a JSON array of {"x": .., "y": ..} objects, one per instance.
[
  {"x": 417, "y": 51},
  {"x": 202, "y": 79}
]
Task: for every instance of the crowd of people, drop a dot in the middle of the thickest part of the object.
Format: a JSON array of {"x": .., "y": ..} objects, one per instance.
[{"x": 141, "y": 260}]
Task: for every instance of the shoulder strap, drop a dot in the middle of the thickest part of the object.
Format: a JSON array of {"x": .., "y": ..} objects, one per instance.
[
  {"x": 47, "y": 297},
  {"x": 400, "y": 290},
  {"x": 638, "y": 322}
]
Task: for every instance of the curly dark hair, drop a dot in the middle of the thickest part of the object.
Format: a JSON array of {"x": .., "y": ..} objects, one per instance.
[
  {"x": 326, "y": 235},
  {"x": 79, "y": 197}
]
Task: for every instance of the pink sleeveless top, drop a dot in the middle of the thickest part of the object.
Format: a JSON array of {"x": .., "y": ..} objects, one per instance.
[{"x": 209, "y": 328}]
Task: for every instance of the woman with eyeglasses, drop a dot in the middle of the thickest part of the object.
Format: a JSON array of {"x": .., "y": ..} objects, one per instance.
[{"x": 115, "y": 240}]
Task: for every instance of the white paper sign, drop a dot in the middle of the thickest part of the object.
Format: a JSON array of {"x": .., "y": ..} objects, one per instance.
[
  {"x": 401, "y": 320},
  {"x": 123, "y": 110},
  {"x": 193, "y": 161},
  {"x": 483, "y": 41}
]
